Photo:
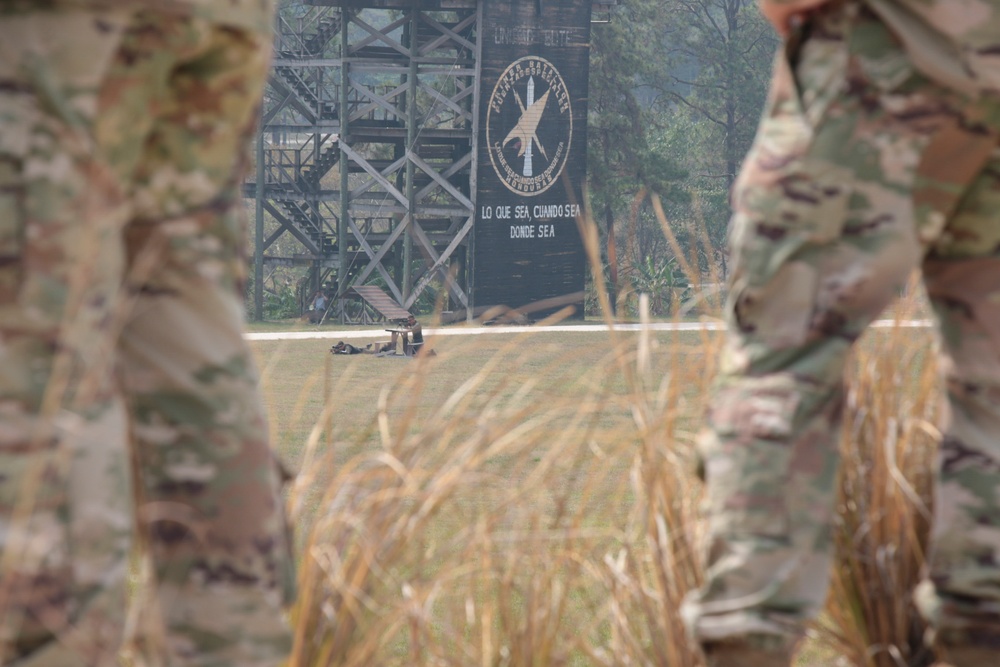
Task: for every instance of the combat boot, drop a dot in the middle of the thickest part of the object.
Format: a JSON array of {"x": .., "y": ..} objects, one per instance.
[{"x": 747, "y": 653}]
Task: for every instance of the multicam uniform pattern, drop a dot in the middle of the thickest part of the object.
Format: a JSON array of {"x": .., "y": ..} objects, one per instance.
[
  {"x": 123, "y": 129},
  {"x": 878, "y": 154}
]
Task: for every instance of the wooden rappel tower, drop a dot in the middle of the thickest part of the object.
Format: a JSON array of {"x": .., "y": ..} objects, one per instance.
[{"x": 374, "y": 144}]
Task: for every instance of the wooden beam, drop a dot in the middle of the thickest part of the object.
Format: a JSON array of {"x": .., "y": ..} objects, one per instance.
[
  {"x": 427, "y": 246},
  {"x": 358, "y": 159},
  {"x": 292, "y": 228},
  {"x": 378, "y": 35},
  {"x": 455, "y": 166},
  {"x": 446, "y": 255},
  {"x": 432, "y": 172},
  {"x": 451, "y": 102},
  {"x": 378, "y": 101},
  {"x": 369, "y": 184},
  {"x": 376, "y": 264},
  {"x": 448, "y": 33}
]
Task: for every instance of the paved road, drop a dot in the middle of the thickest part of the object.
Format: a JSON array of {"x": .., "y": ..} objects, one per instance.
[{"x": 472, "y": 331}]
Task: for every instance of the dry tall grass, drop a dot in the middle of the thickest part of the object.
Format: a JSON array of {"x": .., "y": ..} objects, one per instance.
[
  {"x": 513, "y": 527},
  {"x": 889, "y": 449},
  {"x": 508, "y": 528}
]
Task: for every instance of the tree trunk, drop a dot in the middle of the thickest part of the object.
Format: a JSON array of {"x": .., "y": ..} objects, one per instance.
[{"x": 609, "y": 218}]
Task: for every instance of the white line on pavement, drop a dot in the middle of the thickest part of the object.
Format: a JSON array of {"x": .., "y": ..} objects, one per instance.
[{"x": 582, "y": 328}]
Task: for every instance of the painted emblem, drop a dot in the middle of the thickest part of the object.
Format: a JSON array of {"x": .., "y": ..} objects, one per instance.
[{"x": 529, "y": 125}]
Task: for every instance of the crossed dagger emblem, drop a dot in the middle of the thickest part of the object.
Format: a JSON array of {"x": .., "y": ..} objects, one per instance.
[{"x": 526, "y": 130}]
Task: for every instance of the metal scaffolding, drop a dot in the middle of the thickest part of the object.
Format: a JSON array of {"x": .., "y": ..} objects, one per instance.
[{"x": 365, "y": 155}]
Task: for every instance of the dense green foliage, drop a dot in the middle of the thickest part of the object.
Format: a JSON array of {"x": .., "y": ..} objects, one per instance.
[{"x": 676, "y": 91}]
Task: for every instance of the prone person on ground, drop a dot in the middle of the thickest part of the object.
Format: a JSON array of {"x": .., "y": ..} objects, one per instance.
[{"x": 346, "y": 348}]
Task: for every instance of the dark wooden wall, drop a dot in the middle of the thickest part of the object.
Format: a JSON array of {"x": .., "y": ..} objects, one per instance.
[{"x": 533, "y": 91}]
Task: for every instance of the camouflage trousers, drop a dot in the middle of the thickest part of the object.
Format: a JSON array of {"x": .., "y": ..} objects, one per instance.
[
  {"x": 128, "y": 396},
  {"x": 862, "y": 171}
]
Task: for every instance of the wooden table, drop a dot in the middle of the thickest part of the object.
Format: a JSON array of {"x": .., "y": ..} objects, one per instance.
[{"x": 400, "y": 332}]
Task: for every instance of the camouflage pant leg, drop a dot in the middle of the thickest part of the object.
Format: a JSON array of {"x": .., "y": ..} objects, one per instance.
[
  {"x": 856, "y": 166},
  {"x": 962, "y": 273},
  {"x": 186, "y": 93},
  {"x": 65, "y": 499}
]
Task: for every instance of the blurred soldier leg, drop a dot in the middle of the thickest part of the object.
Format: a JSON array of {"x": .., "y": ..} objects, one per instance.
[
  {"x": 961, "y": 596},
  {"x": 857, "y": 166},
  {"x": 65, "y": 497},
  {"x": 179, "y": 109},
  {"x": 66, "y": 191}
]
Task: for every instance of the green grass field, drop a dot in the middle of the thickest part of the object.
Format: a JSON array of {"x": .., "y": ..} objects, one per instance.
[
  {"x": 542, "y": 367},
  {"x": 529, "y": 499},
  {"x": 493, "y": 478}
]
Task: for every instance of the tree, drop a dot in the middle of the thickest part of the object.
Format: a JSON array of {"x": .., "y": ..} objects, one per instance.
[
  {"x": 722, "y": 52},
  {"x": 677, "y": 88},
  {"x": 623, "y": 159},
  {"x": 728, "y": 45}
]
